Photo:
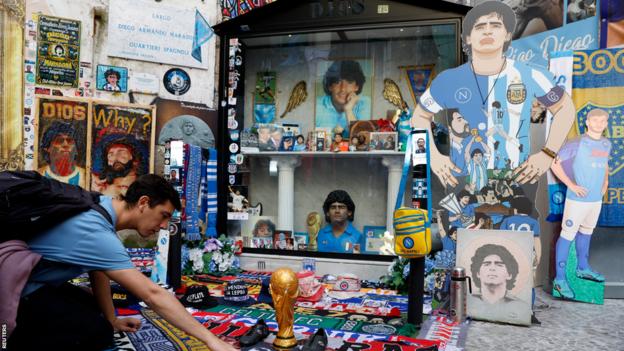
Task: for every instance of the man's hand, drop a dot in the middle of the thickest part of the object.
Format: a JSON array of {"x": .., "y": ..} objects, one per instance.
[
  {"x": 126, "y": 324},
  {"x": 442, "y": 166},
  {"x": 220, "y": 345},
  {"x": 352, "y": 99},
  {"x": 578, "y": 190},
  {"x": 533, "y": 168}
]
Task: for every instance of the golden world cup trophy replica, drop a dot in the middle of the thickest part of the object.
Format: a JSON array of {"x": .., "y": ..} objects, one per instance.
[
  {"x": 314, "y": 226},
  {"x": 284, "y": 289}
]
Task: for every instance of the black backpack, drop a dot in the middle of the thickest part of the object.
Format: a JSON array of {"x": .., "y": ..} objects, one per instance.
[{"x": 30, "y": 204}]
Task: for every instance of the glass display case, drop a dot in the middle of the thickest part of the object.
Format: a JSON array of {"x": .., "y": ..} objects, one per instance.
[{"x": 317, "y": 124}]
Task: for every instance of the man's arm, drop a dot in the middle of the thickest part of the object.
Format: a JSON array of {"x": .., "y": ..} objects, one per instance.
[
  {"x": 100, "y": 285},
  {"x": 352, "y": 99},
  {"x": 167, "y": 306},
  {"x": 559, "y": 172},
  {"x": 605, "y": 183},
  {"x": 441, "y": 165},
  {"x": 538, "y": 163},
  {"x": 467, "y": 149}
]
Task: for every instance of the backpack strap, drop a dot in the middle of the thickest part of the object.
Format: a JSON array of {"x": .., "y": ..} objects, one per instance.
[
  {"x": 101, "y": 210},
  {"x": 406, "y": 168}
]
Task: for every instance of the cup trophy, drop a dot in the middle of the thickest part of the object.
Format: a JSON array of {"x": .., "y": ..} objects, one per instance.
[
  {"x": 284, "y": 288},
  {"x": 314, "y": 226}
]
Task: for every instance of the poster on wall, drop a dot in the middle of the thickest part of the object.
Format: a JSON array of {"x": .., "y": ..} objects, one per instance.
[
  {"x": 62, "y": 134},
  {"x": 58, "y": 51},
  {"x": 122, "y": 139},
  {"x": 543, "y": 27},
  {"x": 148, "y": 31},
  {"x": 264, "y": 97},
  {"x": 611, "y": 23},
  {"x": 112, "y": 78},
  {"x": 598, "y": 84},
  {"x": 499, "y": 265},
  {"x": 338, "y": 103},
  {"x": 193, "y": 123}
]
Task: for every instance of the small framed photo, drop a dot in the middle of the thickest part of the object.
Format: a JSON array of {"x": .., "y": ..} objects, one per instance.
[
  {"x": 112, "y": 78},
  {"x": 318, "y": 140},
  {"x": 283, "y": 240},
  {"x": 373, "y": 238},
  {"x": 301, "y": 241},
  {"x": 383, "y": 141}
]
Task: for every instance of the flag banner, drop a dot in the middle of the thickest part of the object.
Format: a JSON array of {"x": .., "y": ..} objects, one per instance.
[{"x": 598, "y": 82}]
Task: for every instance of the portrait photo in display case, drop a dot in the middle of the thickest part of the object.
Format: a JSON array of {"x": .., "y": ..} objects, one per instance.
[{"x": 343, "y": 93}]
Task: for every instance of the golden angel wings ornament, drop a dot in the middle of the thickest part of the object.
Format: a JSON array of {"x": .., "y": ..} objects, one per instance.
[
  {"x": 297, "y": 97},
  {"x": 392, "y": 93}
]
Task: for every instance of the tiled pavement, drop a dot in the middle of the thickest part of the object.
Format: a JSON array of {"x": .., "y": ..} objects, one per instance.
[{"x": 565, "y": 325}]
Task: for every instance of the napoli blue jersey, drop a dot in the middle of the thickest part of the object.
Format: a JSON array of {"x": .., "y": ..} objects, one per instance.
[
  {"x": 522, "y": 223},
  {"x": 589, "y": 159},
  {"x": 504, "y": 116}
]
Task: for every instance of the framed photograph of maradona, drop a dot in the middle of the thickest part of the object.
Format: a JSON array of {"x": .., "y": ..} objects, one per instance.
[
  {"x": 338, "y": 82},
  {"x": 112, "y": 78},
  {"x": 499, "y": 263}
]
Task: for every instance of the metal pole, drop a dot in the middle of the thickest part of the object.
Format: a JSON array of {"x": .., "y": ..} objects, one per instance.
[{"x": 416, "y": 286}]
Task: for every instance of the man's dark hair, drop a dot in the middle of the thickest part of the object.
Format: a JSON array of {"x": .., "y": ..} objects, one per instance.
[
  {"x": 476, "y": 151},
  {"x": 56, "y": 128},
  {"x": 448, "y": 116},
  {"x": 129, "y": 141},
  {"x": 504, "y": 12},
  {"x": 347, "y": 70},
  {"x": 484, "y": 191},
  {"x": 522, "y": 204},
  {"x": 517, "y": 191},
  {"x": 112, "y": 72},
  {"x": 342, "y": 197},
  {"x": 463, "y": 193},
  {"x": 156, "y": 188},
  {"x": 491, "y": 249}
]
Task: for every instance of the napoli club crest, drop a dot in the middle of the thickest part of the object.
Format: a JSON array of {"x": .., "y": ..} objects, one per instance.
[{"x": 177, "y": 81}]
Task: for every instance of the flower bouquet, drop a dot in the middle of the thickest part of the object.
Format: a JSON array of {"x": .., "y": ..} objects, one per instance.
[{"x": 211, "y": 256}]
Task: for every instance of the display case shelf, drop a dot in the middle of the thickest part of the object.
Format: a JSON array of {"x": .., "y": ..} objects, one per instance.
[{"x": 283, "y": 165}]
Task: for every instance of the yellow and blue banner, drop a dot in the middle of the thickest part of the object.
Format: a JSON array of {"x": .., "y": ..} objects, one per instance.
[{"x": 598, "y": 82}]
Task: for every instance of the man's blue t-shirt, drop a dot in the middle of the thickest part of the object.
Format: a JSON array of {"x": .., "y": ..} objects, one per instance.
[
  {"x": 523, "y": 223},
  {"x": 83, "y": 243},
  {"x": 328, "y": 117},
  {"x": 327, "y": 242},
  {"x": 589, "y": 158},
  {"x": 506, "y": 111}
]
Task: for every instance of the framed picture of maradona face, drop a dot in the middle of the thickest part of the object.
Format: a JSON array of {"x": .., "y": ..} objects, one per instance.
[
  {"x": 343, "y": 84},
  {"x": 499, "y": 262}
]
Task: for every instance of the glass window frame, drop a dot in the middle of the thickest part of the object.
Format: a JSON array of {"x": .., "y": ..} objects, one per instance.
[{"x": 456, "y": 21}]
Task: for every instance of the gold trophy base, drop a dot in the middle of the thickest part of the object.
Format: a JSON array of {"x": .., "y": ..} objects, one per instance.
[{"x": 283, "y": 343}]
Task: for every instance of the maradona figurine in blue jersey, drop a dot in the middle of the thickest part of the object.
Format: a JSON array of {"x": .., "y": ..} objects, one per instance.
[
  {"x": 583, "y": 166},
  {"x": 339, "y": 235}
]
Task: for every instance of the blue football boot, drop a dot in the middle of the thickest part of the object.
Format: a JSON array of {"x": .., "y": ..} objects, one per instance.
[
  {"x": 588, "y": 274},
  {"x": 563, "y": 288}
]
